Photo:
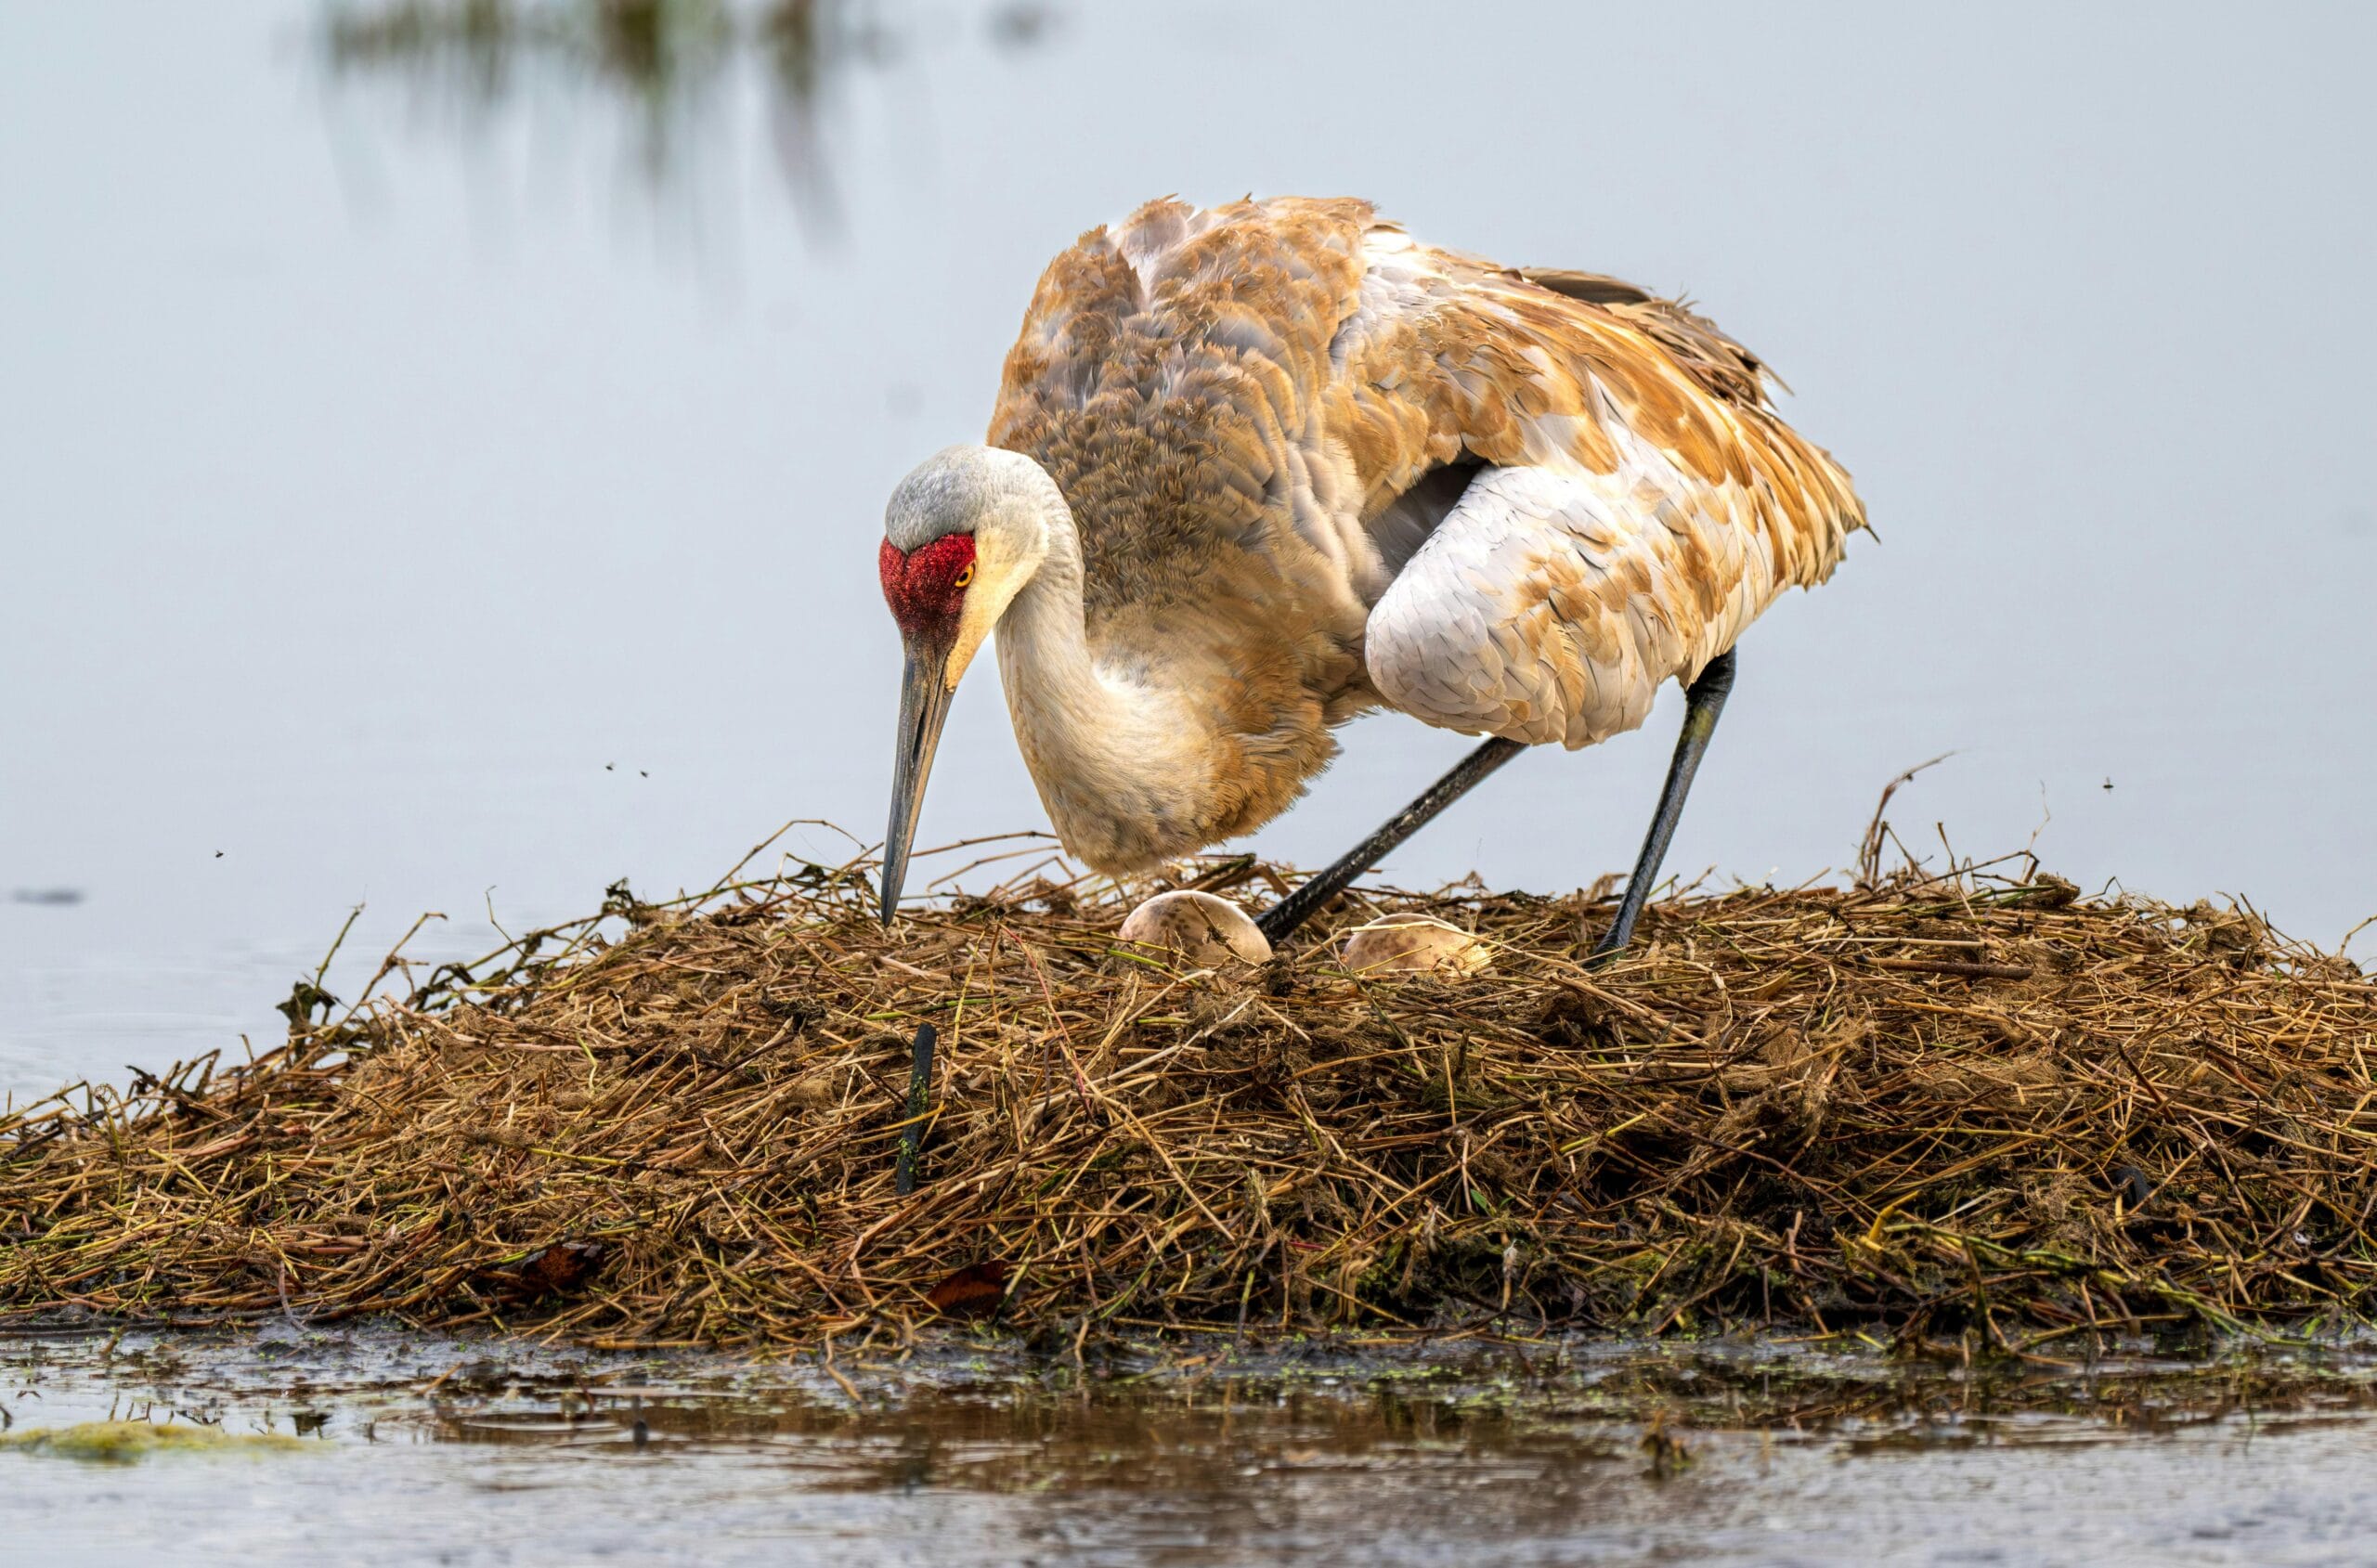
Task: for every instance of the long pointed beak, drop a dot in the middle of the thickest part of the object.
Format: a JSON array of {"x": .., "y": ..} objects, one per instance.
[{"x": 924, "y": 707}]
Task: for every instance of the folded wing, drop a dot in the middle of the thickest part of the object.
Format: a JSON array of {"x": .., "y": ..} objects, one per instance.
[{"x": 1627, "y": 501}]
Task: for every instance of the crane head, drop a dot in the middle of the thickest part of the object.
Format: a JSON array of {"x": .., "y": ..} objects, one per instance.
[{"x": 964, "y": 532}]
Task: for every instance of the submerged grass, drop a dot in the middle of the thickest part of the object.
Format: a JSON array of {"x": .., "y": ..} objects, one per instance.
[{"x": 1975, "y": 1108}]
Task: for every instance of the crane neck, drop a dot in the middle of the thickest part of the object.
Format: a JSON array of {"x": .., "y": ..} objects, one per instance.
[{"x": 1121, "y": 760}]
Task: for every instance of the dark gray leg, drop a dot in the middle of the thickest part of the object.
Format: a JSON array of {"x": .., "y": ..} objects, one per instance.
[
  {"x": 1703, "y": 701},
  {"x": 1304, "y": 902}
]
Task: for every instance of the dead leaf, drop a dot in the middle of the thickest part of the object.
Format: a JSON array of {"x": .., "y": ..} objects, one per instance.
[
  {"x": 973, "y": 1291},
  {"x": 552, "y": 1270}
]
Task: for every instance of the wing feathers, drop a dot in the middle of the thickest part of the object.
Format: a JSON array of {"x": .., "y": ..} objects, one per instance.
[
  {"x": 1549, "y": 606},
  {"x": 1303, "y": 447}
]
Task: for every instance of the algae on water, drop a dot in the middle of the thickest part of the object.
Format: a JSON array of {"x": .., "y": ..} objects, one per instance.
[{"x": 122, "y": 1442}]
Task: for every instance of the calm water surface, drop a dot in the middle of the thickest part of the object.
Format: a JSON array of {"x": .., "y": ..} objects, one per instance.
[
  {"x": 475, "y": 1453},
  {"x": 440, "y": 470}
]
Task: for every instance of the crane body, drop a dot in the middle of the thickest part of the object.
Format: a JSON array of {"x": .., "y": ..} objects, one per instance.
[{"x": 1257, "y": 469}]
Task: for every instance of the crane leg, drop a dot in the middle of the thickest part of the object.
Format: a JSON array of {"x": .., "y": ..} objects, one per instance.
[
  {"x": 1304, "y": 902},
  {"x": 1704, "y": 700}
]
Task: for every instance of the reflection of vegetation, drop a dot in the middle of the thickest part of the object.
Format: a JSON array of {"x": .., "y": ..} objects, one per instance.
[
  {"x": 665, "y": 58},
  {"x": 642, "y": 42},
  {"x": 652, "y": 46},
  {"x": 800, "y": 52},
  {"x": 1022, "y": 24},
  {"x": 663, "y": 55}
]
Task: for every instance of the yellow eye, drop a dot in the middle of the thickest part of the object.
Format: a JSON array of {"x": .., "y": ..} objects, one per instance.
[{"x": 965, "y": 574}]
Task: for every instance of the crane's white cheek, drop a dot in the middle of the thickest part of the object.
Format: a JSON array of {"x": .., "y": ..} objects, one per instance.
[
  {"x": 998, "y": 577},
  {"x": 975, "y": 618}
]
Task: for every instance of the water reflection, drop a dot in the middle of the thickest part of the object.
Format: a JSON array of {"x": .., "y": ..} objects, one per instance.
[
  {"x": 667, "y": 68},
  {"x": 1195, "y": 1452},
  {"x": 981, "y": 1410}
]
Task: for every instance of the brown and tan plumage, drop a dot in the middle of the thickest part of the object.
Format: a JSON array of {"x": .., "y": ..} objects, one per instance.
[{"x": 1285, "y": 463}]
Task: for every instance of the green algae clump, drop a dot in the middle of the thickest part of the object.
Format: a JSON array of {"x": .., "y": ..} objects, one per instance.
[{"x": 124, "y": 1442}]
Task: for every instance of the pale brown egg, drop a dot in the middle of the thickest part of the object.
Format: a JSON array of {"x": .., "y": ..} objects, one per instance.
[
  {"x": 1415, "y": 944},
  {"x": 1205, "y": 931}
]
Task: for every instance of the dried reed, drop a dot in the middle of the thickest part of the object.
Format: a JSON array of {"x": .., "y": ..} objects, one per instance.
[{"x": 1976, "y": 1109}]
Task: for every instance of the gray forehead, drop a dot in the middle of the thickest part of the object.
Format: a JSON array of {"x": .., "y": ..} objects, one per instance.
[{"x": 943, "y": 495}]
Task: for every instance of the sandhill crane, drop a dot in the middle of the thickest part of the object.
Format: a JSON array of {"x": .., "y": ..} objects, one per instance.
[{"x": 1258, "y": 468}]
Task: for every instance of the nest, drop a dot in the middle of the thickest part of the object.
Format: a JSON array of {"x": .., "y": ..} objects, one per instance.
[{"x": 1973, "y": 1109}]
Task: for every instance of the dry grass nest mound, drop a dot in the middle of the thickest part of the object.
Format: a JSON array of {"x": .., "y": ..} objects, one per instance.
[{"x": 1973, "y": 1110}]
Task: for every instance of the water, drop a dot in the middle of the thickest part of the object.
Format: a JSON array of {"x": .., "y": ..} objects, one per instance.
[
  {"x": 444, "y": 476},
  {"x": 427, "y": 1450}
]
